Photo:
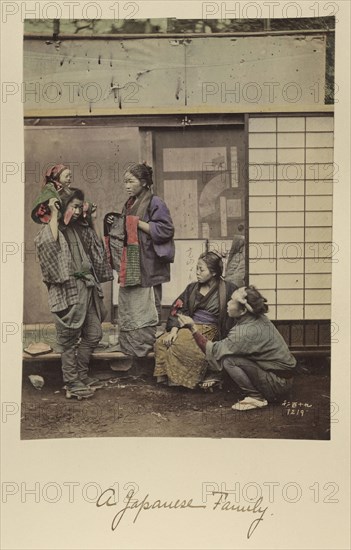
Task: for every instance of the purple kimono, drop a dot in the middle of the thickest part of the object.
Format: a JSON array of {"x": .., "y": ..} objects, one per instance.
[
  {"x": 139, "y": 306},
  {"x": 155, "y": 271}
]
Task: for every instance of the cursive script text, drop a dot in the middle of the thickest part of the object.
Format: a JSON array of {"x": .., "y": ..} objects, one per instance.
[
  {"x": 107, "y": 498},
  {"x": 134, "y": 507}
]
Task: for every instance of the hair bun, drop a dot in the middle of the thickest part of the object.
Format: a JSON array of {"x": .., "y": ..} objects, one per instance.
[
  {"x": 148, "y": 168},
  {"x": 143, "y": 172},
  {"x": 218, "y": 254}
]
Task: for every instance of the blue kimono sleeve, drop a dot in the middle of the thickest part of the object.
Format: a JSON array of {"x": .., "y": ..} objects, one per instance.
[{"x": 160, "y": 222}]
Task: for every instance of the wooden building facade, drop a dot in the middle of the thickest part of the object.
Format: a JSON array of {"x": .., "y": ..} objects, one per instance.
[{"x": 240, "y": 139}]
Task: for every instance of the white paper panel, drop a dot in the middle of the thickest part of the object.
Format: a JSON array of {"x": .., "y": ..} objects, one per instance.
[
  {"x": 234, "y": 208},
  {"x": 183, "y": 270},
  {"x": 234, "y": 166},
  {"x": 181, "y": 198},
  {"x": 194, "y": 159}
]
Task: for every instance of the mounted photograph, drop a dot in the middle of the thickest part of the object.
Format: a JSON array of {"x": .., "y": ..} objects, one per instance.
[{"x": 178, "y": 245}]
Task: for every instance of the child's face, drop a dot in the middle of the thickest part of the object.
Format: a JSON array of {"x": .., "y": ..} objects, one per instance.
[
  {"x": 65, "y": 178},
  {"x": 74, "y": 209},
  {"x": 234, "y": 307},
  {"x": 203, "y": 274},
  {"x": 133, "y": 185}
]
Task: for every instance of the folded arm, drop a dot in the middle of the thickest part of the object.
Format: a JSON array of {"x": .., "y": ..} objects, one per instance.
[{"x": 160, "y": 225}]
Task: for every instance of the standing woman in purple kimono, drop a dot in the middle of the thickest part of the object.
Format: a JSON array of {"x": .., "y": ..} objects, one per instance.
[{"x": 148, "y": 250}]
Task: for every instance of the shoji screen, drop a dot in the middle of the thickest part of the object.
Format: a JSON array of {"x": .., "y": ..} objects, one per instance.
[{"x": 291, "y": 252}]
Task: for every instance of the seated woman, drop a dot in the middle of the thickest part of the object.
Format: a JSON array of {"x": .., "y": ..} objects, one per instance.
[
  {"x": 179, "y": 362},
  {"x": 254, "y": 353}
]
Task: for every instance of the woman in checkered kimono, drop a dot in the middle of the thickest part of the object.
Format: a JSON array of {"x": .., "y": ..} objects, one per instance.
[{"x": 73, "y": 262}]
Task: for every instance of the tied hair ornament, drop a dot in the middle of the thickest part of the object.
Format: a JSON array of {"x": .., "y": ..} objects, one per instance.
[
  {"x": 52, "y": 174},
  {"x": 241, "y": 296}
]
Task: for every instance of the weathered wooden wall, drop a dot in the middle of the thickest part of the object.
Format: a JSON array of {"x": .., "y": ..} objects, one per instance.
[
  {"x": 147, "y": 76},
  {"x": 97, "y": 158},
  {"x": 92, "y": 77}
]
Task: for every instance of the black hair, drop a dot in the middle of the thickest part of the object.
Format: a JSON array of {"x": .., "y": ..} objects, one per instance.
[
  {"x": 214, "y": 263},
  {"x": 256, "y": 300},
  {"x": 143, "y": 172},
  {"x": 74, "y": 193}
]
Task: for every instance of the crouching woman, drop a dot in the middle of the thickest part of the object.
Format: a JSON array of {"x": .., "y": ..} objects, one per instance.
[{"x": 254, "y": 353}]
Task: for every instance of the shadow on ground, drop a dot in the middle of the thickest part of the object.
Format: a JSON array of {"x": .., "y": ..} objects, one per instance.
[{"x": 132, "y": 405}]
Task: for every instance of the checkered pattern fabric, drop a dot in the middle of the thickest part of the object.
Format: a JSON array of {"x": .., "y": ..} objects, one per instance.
[
  {"x": 96, "y": 252},
  {"x": 130, "y": 274},
  {"x": 57, "y": 267}
]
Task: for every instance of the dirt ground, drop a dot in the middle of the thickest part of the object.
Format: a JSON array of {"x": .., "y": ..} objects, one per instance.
[{"x": 132, "y": 405}]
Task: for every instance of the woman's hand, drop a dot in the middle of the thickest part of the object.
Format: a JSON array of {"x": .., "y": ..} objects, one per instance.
[
  {"x": 144, "y": 226},
  {"x": 93, "y": 220},
  {"x": 89, "y": 210},
  {"x": 185, "y": 321},
  {"x": 170, "y": 337},
  {"x": 54, "y": 205},
  {"x": 93, "y": 211}
]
